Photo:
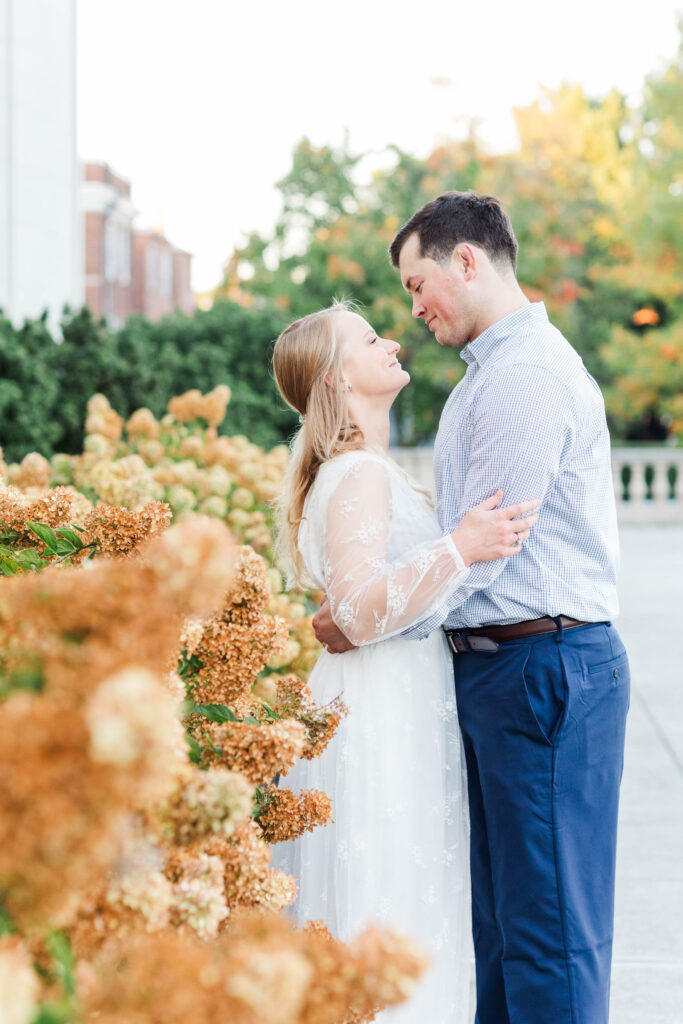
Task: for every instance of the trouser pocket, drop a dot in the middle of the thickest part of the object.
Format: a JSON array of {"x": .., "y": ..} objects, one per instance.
[{"x": 545, "y": 689}]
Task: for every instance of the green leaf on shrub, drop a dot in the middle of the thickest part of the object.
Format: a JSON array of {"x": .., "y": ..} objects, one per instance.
[
  {"x": 63, "y": 1012},
  {"x": 216, "y": 712},
  {"x": 215, "y": 749},
  {"x": 195, "y": 749},
  {"x": 6, "y": 925},
  {"x": 70, "y": 537},
  {"x": 188, "y": 666},
  {"x": 13, "y": 561},
  {"x": 28, "y": 678},
  {"x": 9, "y": 566},
  {"x": 46, "y": 534},
  {"x": 269, "y": 711},
  {"x": 59, "y": 948}
]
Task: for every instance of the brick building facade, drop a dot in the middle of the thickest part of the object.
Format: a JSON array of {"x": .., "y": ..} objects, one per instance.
[{"x": 126, "y": 270}]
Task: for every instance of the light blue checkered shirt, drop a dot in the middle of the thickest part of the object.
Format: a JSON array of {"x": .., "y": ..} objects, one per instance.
[{"x": 528, "y": 417}]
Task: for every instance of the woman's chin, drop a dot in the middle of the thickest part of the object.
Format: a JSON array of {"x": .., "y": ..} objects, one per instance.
[{"x": 403, "y": 381}]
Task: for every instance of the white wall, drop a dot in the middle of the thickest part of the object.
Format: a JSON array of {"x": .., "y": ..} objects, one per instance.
[{"x": 41, "y": 230}]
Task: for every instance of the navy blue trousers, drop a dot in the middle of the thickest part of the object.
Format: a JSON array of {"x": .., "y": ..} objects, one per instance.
[{"x": 543, "y": 724}]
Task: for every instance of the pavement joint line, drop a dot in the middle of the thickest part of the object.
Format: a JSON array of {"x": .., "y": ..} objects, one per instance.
[
  {"x": 654, "y": 722},
  {"x": 648, "y": 963}
]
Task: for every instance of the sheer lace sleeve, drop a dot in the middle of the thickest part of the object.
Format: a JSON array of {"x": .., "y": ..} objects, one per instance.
[{"x": 372, "y": 598}]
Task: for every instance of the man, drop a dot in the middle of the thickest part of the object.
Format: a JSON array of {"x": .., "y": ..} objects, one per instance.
[{"x": 542, "y": 678}]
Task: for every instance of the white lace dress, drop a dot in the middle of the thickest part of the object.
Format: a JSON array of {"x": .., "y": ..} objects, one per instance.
[{"x": 397, "y": 851}]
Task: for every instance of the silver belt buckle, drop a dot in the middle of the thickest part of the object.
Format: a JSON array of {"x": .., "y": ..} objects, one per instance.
[{"x": 460, "y": 644}]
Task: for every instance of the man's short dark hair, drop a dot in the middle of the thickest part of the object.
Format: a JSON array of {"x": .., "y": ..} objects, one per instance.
[{"x": 457, "y": 217}]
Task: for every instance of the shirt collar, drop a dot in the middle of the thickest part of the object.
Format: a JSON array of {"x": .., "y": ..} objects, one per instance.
[{"x": 479, "y": 350}]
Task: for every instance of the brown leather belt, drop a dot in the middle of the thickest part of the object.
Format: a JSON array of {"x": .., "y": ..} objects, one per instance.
[{"x": 487, "y": 638}]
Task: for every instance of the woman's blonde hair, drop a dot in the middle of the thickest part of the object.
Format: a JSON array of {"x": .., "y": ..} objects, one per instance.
[{"x": 307, "y": 363}]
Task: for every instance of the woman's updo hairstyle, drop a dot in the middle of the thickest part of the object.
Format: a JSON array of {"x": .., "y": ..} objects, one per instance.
[{"x": 307, "y": 363}]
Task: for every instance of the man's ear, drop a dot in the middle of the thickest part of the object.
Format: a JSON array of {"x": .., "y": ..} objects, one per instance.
[{"x": 465, "y": 258}]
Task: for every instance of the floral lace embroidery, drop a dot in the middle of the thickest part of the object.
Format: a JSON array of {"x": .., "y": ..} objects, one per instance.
[
  {"x": 345, "y": 614},
  {"x": 367, "y": 532},
  {"x": 347, "y": 507},
  {"x": 425, "y": 560},
  {"x": 397, "y": 598},
  {"x": 380, "y": 623}
]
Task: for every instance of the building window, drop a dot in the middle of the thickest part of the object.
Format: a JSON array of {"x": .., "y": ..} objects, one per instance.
[{"x": 166, "y": 274}]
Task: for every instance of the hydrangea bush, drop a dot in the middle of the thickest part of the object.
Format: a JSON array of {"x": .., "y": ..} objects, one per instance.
[{"x": 152, "y": 692}]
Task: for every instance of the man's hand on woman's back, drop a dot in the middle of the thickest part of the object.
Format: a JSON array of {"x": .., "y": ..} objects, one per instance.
[{"x": 328, "y": 633}]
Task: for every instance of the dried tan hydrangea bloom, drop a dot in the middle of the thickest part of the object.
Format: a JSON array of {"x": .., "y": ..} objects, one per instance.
[
  {"x": 291, "y": 607},
  {"x": 78, "y": 627},
  {"x": 185, "y": 407},
  {"x": 191, "y": 447},
  {"x": 34, "y": 470},
  {"x": 125, "y": 481},
  {"x": 80, "y": 506},
  {"x": 203, "y": 804},
  {"x": 215, "y": 404},
  {"x": 152, "y": 452},
  {"x": 143, "y": 424},
  {"x": 236, "y": 643},
  {"x": 59, "y": 809},
  {"x": 246, "y": 865},
  {"x": 257, "y": 976},
  {"x": 192, "y": 405},
  {"x": 195, "y": 565},
  {"x": 259, "y": 752},
  {"x": 19, "y": 987},
  {"x": 258, "y": 971},
  {"x": 16, "y": 509},
  {"x": 118, "y": 531},
  {"x": 197, "y": 892},
  {"x": 146, "y": 892},
  {"x": 102, "y": 419},
  {"x": 353, "y": 983},
  {"x": 133, "y": 722},
  {"x": 288, "y": 815},
  {"x": 295, "y": 700}
]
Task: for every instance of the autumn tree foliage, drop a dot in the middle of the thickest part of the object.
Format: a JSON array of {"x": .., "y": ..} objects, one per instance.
[{"x": 595, "y": 193}]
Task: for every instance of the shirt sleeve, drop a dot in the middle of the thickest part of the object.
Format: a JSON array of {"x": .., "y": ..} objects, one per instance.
[
  {"x": 372, "y": 597},
  {"x": 521, "y": 427}
]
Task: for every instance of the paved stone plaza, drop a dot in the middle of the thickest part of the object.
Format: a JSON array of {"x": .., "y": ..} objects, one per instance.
[{"x": 647, "y": 986}]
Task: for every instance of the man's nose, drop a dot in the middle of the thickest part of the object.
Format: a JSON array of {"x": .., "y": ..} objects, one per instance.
[{"x": 418, "y": 308}]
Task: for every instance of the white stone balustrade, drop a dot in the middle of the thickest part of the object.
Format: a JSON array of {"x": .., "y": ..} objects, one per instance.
[{"x": 648, "y": 480}]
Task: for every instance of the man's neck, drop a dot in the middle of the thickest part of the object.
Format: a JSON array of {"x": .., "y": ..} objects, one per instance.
[{"x": 501, "y": 304}]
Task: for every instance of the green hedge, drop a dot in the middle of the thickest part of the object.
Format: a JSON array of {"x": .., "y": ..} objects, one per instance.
[{"x": 45, "y": 383}]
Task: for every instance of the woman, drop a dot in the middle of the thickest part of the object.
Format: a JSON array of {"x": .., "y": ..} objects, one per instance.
[{"x": 354, "y": 525}]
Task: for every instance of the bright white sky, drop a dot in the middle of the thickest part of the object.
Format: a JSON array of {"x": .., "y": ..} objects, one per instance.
[{"x": 199, "y": 103}]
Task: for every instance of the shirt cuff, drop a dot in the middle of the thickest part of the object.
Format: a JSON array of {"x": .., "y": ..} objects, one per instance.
[{"x": 450, "y": 544}]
